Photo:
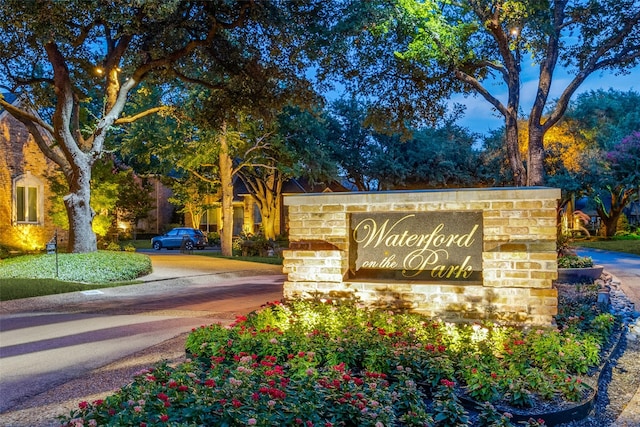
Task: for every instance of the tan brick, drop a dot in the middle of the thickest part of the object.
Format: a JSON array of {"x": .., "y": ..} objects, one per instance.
[
  {"x": 491, "y": 214},
  {"x": 513, "y": 247},
  {"x": 403, "y": 207},
  {"x": 542, "y": 213},
  {"x": 544, "y": 292},
  {"x": 502, "y": 205},
  {"x": 528, "y": 204},
  {"x": 477, "y": 206},
  {"x": 333, "y": 208}
]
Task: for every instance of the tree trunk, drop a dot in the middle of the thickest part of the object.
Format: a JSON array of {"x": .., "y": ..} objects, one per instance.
[
  {"x": 82, "y": 238},
  {"x": 620, "y": 198},
  {"x": 270, "y": 212},
  {"x": 609, "y": 221},
  {"x": 513, "y": 151},
  {"x": 226, "y": 180},
  {"x": 266, "y": 189},
  {"x": 535, "y": 164}
]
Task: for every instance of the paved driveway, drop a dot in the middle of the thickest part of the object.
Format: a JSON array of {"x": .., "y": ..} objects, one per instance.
[{"x": 47, "y": 341}]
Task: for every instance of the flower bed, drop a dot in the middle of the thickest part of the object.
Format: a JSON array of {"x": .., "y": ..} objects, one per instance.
[{"x": 325, "y": 364}]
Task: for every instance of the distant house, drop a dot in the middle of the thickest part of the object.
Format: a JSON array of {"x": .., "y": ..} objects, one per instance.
[
  {"x": 246, "y": 214},
  {"x": 24, "y": 203}
]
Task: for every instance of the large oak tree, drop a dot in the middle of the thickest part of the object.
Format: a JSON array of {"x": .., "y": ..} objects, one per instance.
[
  {"x": 480, "y": 47},
  {"x": 77, "y": 62}
]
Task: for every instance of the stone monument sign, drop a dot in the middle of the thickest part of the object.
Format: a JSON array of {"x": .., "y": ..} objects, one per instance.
[{"x": 461, "y": 255}]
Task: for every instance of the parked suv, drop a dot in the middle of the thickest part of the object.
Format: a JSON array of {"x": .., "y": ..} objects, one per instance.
[{"x": 174, "y": 239}]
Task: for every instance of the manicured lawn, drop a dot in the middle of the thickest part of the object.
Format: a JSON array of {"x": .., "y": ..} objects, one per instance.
[
  {"x": 37, "y": 275},
  {"x": 26, "y": 288},
  {"x": 618, "y": 245}
]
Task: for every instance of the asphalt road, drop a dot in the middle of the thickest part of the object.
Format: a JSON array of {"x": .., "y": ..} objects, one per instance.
[{"x": 47, "y": 341}]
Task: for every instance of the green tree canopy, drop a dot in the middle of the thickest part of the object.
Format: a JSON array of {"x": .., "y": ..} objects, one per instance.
[
  {"x": 480, "y": 48},
  {"x": 78, "y": 61}
]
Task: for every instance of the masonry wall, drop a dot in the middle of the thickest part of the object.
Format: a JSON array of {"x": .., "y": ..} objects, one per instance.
[
  {"x": 518, "y": 253},
  {"x": 20, "y": 154}
]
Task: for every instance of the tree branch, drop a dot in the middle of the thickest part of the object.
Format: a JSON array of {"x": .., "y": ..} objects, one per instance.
[
  {"x": 23, "y": 115},
  {"x": 204, "y": 177},
  {"x": 464, "y": 77},
  {"x": 150, "y": 111}
]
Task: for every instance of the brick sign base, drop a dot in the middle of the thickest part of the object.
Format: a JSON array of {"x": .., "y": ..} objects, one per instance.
[{"x": 497, "y": 262}]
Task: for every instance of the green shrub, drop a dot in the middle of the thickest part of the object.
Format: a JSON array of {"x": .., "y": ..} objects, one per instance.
[
  {"x": 113, "y": 246},
  {"x": 574, "y": 261}
]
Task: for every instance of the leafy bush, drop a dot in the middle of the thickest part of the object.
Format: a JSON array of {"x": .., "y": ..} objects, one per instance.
[
  {"x": 338, "y": 364},
  {"x": 113, "y": 246},
  {"x": 574, "y": 261},
  {"x": 213, "y": 238},
  {"x": 94, "y": 267}
]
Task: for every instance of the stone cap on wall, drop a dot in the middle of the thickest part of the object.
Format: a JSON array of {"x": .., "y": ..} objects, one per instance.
[{"x": 437, "y": 195}]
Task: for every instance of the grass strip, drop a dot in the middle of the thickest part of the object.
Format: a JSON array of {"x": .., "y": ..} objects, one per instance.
[{"x": 11, "y": 289}]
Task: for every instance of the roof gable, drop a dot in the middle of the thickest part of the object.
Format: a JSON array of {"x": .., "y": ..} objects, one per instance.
[{"x": 10, "y": 98}]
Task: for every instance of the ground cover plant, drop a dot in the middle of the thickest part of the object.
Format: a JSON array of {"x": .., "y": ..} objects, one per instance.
[
  {"x": 12, "y": 289},
  {"x": 329, "y": 364},
  {"x": 95, "y": 267}
]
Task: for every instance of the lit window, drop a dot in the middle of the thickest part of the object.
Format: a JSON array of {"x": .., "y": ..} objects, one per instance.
[{"x": 28, "y": 199}]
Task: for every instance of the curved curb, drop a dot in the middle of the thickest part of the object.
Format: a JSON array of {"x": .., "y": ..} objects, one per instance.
[{"x": 572, "y": 413}]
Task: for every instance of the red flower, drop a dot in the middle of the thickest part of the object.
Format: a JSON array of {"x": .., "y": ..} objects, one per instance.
[
  {"x": 236, "y": 403},
  {"x": 339, "y": 368},
  {"x": 164, "y": 418},
  {"x": 447, "y": 383},
  {"x": 83, "y": 404},
  {"x": 210, "y": 383},
  {"x": 183, "y": 388},
  {"x": 163, "y": 397},
  {"x": 167, "y": 404}
]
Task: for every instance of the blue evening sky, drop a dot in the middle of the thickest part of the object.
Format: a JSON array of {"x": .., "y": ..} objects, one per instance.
[{"x": 479, "y": 114}]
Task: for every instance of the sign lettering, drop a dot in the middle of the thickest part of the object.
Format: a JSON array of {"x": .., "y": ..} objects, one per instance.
[{"x": 419, "y": 246}]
